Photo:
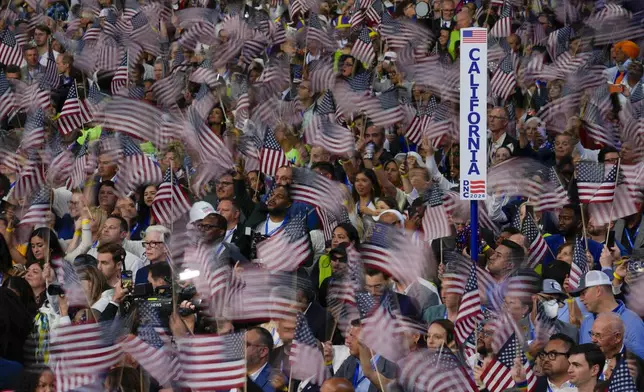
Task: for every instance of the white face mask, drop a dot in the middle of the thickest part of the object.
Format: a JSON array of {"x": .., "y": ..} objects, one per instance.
[{"x": 550, "y": 308}]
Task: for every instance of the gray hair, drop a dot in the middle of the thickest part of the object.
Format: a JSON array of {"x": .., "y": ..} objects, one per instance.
[{"x": 162, "y": 230}]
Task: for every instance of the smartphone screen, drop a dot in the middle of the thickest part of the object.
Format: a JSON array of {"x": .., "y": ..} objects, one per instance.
[
  {"x": 126, "y": 279},
  {"x": 529, "y": 210},
  {"x": 611, "y": 239}
]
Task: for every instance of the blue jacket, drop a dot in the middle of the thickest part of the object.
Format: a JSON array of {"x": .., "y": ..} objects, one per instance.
[
  {"x": 263, "y": 379},
  {"x": 556, "y": 240},
  {"x": 633, "y": 326}
]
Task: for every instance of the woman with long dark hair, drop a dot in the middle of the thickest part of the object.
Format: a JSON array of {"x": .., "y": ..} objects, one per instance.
[{"x": 43, "y": 246}]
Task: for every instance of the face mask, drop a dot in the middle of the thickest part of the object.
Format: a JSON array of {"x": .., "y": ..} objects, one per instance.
[{"x": 550, "y": 308}]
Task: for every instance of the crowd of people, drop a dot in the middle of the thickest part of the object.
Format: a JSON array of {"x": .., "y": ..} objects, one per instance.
[{"x": 243, "y": 196}]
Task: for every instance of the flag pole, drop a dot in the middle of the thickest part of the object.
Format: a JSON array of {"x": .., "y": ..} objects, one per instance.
[
  {"x": 612, "y": 203},
  {"x": 474, "y": 233}
]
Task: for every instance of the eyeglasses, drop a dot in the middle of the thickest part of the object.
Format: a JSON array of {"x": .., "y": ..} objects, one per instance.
[
  {"x": 552, "y": 355},
  {"x": 204, "y": 227},
  {"x": 339, "y": 259},
  {"x": 223, "y": 183},
  {"x": 486, "y": 334},
  {"x": 152, "y": 244},
  {"x": 496, "y": 118},
  {"x": 596, "y": 335}
]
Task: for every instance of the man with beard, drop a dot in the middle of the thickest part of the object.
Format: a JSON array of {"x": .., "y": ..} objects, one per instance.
[
  {"x": 211, "y": 228},
  {"x": 570, "y": 226},
  {"x": 276, "y": 205}
]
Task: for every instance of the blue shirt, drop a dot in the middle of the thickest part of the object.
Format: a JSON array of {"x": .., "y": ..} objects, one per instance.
[
  {"x": 633, "y": 326},
  {"x": 556, "y": 240}
]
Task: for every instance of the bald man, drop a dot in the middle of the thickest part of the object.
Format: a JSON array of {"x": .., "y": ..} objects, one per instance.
[{"x": 337, "y": 384}]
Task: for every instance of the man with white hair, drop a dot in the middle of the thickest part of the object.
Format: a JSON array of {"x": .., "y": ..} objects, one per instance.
[{"x": 608, "y": 333}]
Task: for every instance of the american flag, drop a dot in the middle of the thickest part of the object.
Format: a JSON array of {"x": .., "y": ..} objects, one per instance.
[
  {"x": 384, "y": 109},
  {"x": 558, "y": 41},
  {"x": 594, "y": 125},
  {"x": 621, "y": 379},
  {"x": 10, "y": 49},
  {"x": 477, "y": 36},
  {"x": 502, "y": 28},
  {"x": 135, "y": 118},
  {"x": 363, "y": 47},
  {"x": 159, "y": 362},
  {"x": 93, "y": 103},
  {"x": 421, "y": 121},
  {"x": 383, "y": 331},
  {"x": 213, "y": 362},
  {"x": 497, "y": 376},
  {"x": 306, "y": 358},
  {"x": 469, "y": 311},
  {"x": 435, "y": 223},
  {"x": 50, "y": 75},
  {"x": 388, "y": 249},
  {"x": 357, "y": 17},
  {"x": 503, "y": 80},
  {"x": 272, "y": 156},
  {"x": 288, "y": 248},
  {"x": 324, "y": 131},
  {"x": 31, "y": 177},
  {"x": 80, "y": 350},
  {"x": 321, "y": 75},
  {"x": 360, "y": 82},
  {"x": 554, "y": 195},
  {"x": 70, "y": 115},
  {"x": 436, "y": 371},
  {"x": 135, "y": 168},
  {"x": 596, "y": 182},
  {"x": 374, "y": 11},
  {"x": 171, "y": 201},
  {"x": 168, "y": 89},
  {"x": 315, "y": 31},
  {"x": 7, "y": 97},
  {"x": 256, "y": 295},
  {"x": 538, "y": 246},
  {"x": 119, "y": 81},
  {"x": 84, "y": 165},
  {"x": 34, "y": 135},
  {"x": 34, "y": 97},
  {"x": 40, "y": 205},
  {"x": 579, "y": 265}
]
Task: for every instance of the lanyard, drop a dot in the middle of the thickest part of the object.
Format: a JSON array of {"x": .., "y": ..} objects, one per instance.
[
  {"x": 618, "y": 74},
  {"x": 275, "y": 229},
  {"x": 134, "y": 229},
  {"x": 356, "y": 381},
  {"x": 631, "y": 239},
  {"x": 225, "y": 240}
]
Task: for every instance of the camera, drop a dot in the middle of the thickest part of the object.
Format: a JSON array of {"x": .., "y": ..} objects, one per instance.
[{"x": 157, "y": 302}]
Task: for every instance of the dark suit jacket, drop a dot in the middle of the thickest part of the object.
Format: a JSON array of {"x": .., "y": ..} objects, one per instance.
[
  {"x": 263, "y": 380},
  {"x": 242, "y": 240},
  {"x": 384, "y": 367},
  {"x": 320, "y": 321},
  {"x": 407, "y": 307}
]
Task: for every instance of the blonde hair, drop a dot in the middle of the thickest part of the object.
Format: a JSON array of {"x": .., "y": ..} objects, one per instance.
[
  {"x": 98, "y": 214},
  {"x": 96, "y": 280}
]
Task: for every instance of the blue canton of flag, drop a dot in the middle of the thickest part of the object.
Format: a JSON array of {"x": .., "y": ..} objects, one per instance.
[{"x": 621, "y": 379}]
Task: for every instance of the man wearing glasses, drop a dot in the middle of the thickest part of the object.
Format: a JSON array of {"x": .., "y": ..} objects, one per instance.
[
  {"x": 554, "y": 364},
  {"x": 497, "y": 121}
]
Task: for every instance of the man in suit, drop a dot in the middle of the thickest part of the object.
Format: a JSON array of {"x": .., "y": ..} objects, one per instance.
[
  {"x": 32, "y": 70},
  {"x": 377, "y": 283},
  {"x": 446, "y": 19},
  {"x": 629, "y": 231},
  {"x": 259, "y": 346},
  {"x": 320, "y": 321},
  {"x": 236, "y": 232},
  {"x": 498, "y": 125},
  {"x": 351, "y": 368}
]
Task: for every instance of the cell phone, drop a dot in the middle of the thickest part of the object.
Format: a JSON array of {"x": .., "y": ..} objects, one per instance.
[
  {"x": 611, "y": 239},
  {"x": 126, "y": 279},
  {"x": 529, "y": 210}
]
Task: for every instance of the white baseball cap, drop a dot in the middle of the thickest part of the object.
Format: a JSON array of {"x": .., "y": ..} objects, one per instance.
[
  {"x": 591, "y": 279},
  {"x": 401, "y": 217},
  {"x": 200, "y": 210}
]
